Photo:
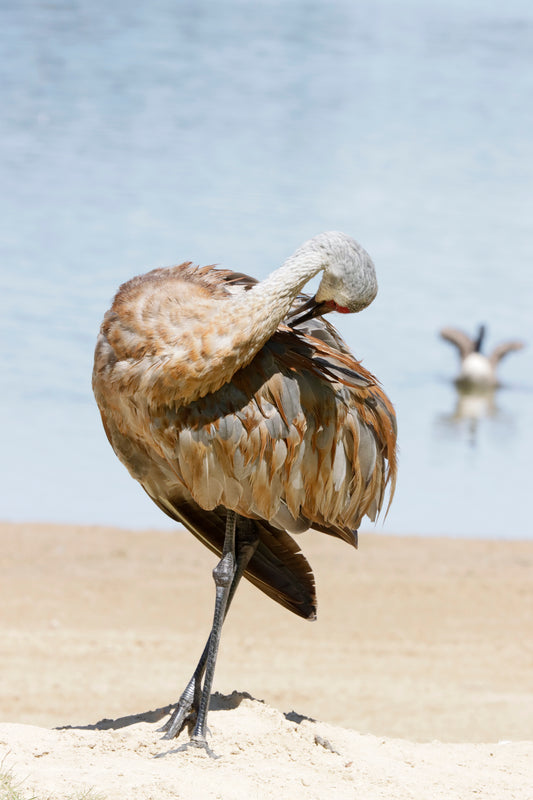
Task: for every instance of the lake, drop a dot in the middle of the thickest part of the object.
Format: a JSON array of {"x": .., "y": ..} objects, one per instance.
[{"x": 136, "y": 135}]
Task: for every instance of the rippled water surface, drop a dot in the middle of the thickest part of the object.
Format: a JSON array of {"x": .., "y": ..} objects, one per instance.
[{"x": 136, "y": 135}]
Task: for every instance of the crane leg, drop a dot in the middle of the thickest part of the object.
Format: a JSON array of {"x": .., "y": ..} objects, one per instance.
[{"x": 240, "y": 543}]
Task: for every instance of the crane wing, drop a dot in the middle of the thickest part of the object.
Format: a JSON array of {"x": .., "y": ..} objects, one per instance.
[{"x": 300, "y": 429}]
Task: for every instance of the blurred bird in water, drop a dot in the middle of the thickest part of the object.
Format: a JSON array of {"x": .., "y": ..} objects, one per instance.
[
  {"x": 478, "y": 371},
  {"x": 244, "y": 416}
]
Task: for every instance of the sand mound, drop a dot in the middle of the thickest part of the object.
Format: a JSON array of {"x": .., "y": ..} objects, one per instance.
[{"x": 262, "y": 753}]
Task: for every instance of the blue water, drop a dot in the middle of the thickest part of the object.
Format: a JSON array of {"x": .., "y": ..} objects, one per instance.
[{"x": 142, "y": 134}]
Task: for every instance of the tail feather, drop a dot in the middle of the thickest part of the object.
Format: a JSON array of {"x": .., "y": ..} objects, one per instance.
[{"x": 278, "y": 567}]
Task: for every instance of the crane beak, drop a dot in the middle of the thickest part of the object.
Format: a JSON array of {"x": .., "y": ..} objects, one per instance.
[{"x": 308, "y": 310}]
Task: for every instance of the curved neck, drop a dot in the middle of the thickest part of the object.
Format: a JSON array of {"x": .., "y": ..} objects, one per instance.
[
  {"x": 249, "y": 319},
  {"x": 269, "y": 302}
]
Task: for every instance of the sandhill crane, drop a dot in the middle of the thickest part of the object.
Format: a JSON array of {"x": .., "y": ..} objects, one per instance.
[
  {"x": 244, "y": 416},
  {"x": 477, "y": 371}
]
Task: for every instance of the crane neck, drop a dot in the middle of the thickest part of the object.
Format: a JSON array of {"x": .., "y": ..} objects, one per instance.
[
  {"x": 246, "y": 321},
  {"x": 280, "y": 288}
]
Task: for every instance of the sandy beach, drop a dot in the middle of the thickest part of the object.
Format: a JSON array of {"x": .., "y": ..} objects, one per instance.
[{"x": 415, "y": 681}]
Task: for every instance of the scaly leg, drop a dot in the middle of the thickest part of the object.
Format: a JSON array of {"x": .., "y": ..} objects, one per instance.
[{"x": 240, "y": 539}]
